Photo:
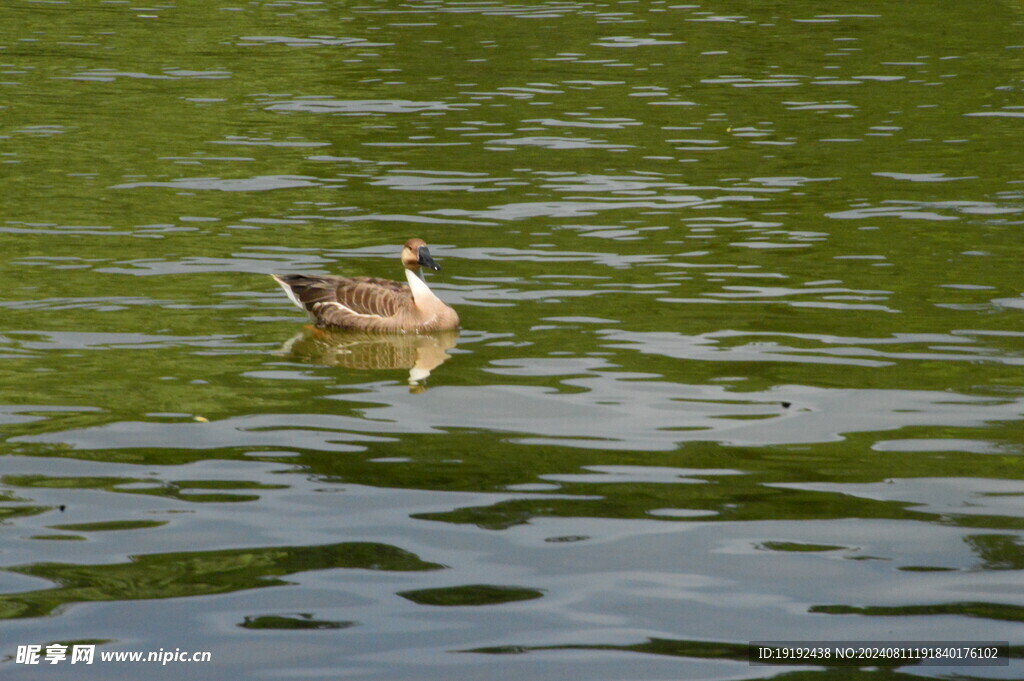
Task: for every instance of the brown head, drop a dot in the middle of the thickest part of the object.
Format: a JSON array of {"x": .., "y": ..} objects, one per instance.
[{"x": 416, "y": 254}]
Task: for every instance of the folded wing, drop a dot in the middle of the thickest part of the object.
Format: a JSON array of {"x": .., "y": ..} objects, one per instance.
[{"x": 348, "y": 302}]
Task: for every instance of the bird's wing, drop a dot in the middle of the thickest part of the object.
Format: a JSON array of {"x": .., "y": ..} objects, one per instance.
[{"x": 346, "y": 301}]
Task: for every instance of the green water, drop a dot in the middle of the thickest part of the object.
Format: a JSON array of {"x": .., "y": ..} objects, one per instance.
[{"x": 740, "y": 358}]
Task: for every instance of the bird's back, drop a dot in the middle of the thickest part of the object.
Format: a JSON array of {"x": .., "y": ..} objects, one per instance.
[{"x": 351, "y": 302}]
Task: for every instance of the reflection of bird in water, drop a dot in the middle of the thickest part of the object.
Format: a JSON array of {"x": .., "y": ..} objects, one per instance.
[
  {"x": 371, "y": 304},
  {"x": 419, "y": 353}
]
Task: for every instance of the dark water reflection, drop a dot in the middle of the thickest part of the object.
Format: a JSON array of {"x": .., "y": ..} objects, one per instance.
[
  {"x": 740, "y": 356},
  {"x": 420, "y": 354}
]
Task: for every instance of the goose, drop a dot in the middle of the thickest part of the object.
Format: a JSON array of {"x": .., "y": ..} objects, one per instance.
[{"x": 372, "y": 304}]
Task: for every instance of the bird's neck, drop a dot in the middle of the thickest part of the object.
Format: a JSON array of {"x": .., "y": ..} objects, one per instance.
[{"x": 421, "y": 293}]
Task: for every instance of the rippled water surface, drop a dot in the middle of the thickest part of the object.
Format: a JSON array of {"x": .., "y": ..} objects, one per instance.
[{"x": 741, "y": 354}]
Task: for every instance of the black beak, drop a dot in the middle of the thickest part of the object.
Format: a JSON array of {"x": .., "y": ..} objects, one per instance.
[{"x": 425, "y": 260}]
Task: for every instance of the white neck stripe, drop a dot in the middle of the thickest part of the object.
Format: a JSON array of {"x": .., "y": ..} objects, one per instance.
[{"x": 420, "y": 291}]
